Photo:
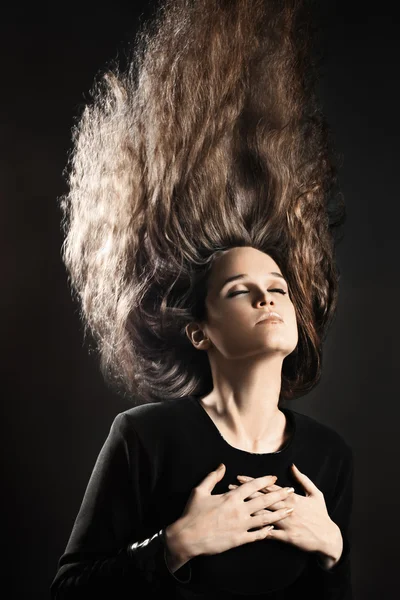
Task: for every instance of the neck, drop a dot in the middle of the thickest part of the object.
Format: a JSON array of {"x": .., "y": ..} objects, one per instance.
[{"x": 245, "y": 397}]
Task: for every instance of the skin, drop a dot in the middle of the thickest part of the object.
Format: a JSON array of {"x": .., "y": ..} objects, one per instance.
[
  {"x": 309, "y": 526},
  {"x": 245, "y": 358},
  {"x": 246, "y": 363}
]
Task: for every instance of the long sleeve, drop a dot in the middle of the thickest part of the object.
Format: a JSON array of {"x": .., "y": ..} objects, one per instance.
[
  {"x": 110, "y": 552},
  {"x": 334, "y": 583}
]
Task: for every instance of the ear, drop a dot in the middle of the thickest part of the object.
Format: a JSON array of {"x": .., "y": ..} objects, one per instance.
[{"x": 197, "y": 337}]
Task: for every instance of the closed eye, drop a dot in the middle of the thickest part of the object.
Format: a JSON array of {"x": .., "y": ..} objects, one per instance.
[{"x": 246, "y": 292}]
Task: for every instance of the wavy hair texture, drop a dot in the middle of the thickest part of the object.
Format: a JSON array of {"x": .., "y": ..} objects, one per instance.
[{"x": 212, "y": 138}]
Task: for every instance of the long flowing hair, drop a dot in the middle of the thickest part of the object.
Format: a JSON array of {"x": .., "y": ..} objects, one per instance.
[{"x": 213, "y": 137}]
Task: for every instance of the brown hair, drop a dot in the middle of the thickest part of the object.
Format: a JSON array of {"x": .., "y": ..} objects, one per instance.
[{"x": 212, "y": 138}]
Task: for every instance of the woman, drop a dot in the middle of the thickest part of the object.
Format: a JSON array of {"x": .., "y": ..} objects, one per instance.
[{"x": 200, "y": 226}]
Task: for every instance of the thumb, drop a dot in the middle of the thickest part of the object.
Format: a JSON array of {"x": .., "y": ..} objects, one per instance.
[
  {"x": 305, "y": 481},
  {"x": 211, "y": 480}
]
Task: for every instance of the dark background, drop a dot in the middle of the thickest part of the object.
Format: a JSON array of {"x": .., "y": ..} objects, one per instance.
[{"x": 57, "y": 409}]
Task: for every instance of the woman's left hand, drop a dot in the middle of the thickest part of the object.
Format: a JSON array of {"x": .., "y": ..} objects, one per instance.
[{"x": 309, "y": 526}]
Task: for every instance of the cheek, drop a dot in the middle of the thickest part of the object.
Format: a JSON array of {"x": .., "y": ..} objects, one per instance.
[
  {"x": 232, "y": 311},
  {"x": 230, "y": 327}
]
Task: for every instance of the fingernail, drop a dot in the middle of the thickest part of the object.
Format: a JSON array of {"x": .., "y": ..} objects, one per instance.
[{"x": 244, "y": 477}]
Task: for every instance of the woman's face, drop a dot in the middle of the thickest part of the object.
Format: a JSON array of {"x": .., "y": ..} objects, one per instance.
[{"x": 235, "y": 307}]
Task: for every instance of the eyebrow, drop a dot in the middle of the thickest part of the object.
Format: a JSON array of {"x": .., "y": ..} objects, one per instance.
[{"x": 243, "y": 275}]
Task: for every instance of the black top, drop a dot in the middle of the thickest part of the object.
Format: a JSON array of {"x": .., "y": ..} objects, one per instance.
[{"x": 153, "y": 457}]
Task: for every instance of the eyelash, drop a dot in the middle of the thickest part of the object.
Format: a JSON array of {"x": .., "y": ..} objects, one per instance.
[{"x": 245, "y": 292}]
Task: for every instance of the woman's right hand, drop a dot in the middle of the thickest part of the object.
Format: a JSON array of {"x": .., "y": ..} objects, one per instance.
[{"x": 215, "y": 523}]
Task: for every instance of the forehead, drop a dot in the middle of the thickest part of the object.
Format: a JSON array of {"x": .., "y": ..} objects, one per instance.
[{"x": 241, "y": 260}]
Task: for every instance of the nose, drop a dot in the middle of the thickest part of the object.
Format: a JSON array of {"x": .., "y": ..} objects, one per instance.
[{"x": 265, "y": 298}]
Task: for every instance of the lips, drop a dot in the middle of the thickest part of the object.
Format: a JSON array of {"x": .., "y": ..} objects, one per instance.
[{"x": 271, "y": 316}]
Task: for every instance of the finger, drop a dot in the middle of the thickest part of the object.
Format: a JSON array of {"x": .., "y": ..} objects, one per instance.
[
  {"x": 305, "y": 481},
  {"x": 270, "y": 488},
  {"x": 211, "y": 480},
  {"x": 273, "y": 507},
  {"x": 278, "y": 534},
  {"x": 280, "y": 499},
  {"x": 268, "y": 518},
  {"x": 248, "y": 488},
  {"x": 270, "y": 499},
  {"x": 232, "y": 486}
]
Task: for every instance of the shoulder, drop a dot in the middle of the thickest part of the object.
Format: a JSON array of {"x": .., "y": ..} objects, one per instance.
[{"x": 152, "y": 417}]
